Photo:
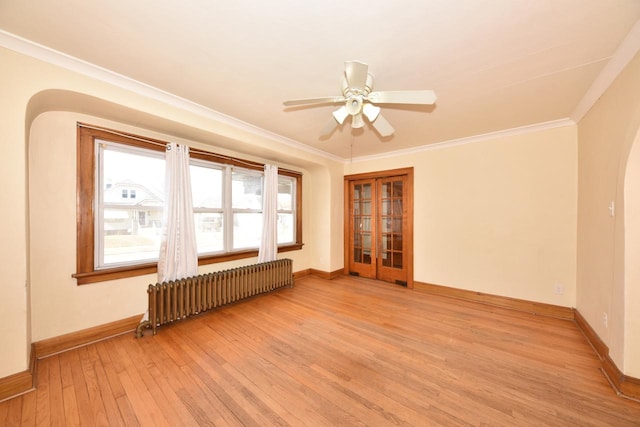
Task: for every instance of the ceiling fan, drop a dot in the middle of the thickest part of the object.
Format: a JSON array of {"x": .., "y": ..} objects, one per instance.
[{"x": 359, "y": 100}]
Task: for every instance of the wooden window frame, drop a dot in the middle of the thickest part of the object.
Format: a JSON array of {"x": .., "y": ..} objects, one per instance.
[{"x": 85, "y": 194}]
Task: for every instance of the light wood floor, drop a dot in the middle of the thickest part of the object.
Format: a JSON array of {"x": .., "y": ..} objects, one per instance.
[{"x": 343, "y": 352}]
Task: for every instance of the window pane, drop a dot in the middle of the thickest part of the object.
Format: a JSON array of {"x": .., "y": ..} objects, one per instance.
[
  {"x": 285, "y": 193},
  {"x": 209, "y": 232},
  {"x": 246, "y": 190},
  {"x": 285, "y": 228},
  {"x": 129, "y": 236},
  {"x": 132, "y": 199},
  {"x": 247, "y": 230},
  {"x": 206, "y": 187}
]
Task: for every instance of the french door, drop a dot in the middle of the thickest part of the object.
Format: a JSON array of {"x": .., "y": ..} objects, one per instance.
[{"x": 379, "y": 226}]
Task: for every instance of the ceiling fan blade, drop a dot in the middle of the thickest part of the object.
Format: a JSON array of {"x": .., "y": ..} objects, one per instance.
[
  {"x": 340, "y": 114},
  {"x": 329, "y": 127},
  {"x": 356, "y": 74},
  {"x": 357, "y": 121},
  {"x": 323, "y": 100},
  {"x": 426, "y": 97},
  {"x": 371, "y": 111},
  {"x": 382, "y": 126}
]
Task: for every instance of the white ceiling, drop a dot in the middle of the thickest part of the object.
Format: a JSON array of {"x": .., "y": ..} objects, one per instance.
[{"x": 494, "y": 64}]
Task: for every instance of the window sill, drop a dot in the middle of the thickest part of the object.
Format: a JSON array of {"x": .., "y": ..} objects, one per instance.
[{"x": 152, "y": 268}]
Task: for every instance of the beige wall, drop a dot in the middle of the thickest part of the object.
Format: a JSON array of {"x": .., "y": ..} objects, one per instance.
[
  {"x": 497, "y": 216},
  {"x": 13, "y": 226},
  {"x": 632, "y": 262},
  {"x": 39, "y": 297},
  {"x": 605, "y": 136}
]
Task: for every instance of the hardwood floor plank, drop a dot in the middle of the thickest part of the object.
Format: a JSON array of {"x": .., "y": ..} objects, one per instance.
[
  {"x": 43, "y": 410},
  {"x": 93, "y": 386},
  {"x": 13, "y": 414},
  {"x": 28, "y": 416},
  {"x": 350, "y": 351},
  {"x": 80, "y": 391},
  {"x": 69, "y": 398}
]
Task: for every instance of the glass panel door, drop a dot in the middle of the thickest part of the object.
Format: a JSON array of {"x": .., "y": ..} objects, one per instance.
[
  {"x": 391, "y": 236},
  {"x": 362, "y": 223},
  {"x": 379, "y": 226}
]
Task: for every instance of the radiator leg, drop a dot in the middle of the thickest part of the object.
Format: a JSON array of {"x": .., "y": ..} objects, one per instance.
[{"x": 140, "y": 327}]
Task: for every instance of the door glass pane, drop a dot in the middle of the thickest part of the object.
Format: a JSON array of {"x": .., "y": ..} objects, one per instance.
[
  {"x": 386, "y": 207},
  {"x": 366, "y": 223},
  {"x": 386, "y": 241},
  {"x": 357, "y": 241},
  {"x": 397, "y": 242},
  {"x": 366, "y": 208},
  {"x": 366, "y": 191},
  {"x": 357, "y": 255},
  {"x": 357, "y": 189},
  {"x": 397, "y": 260},
  {"x": 386, "y": 190},
  {"x": 366, "y": 240},
  {"x": 386, "y": 259},
  {"x": 366, "y": 257},
  {"x": 397, "y": 206},
  {"x": 397, "y": 189},
  {"x": 397, "y": 225}
]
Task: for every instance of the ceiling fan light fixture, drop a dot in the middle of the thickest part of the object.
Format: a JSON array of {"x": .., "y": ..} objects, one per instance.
[
  {"x": 340, "y": 114},
  {"x": 357, "y": 121},
  {"x": 371, "y": 111}
]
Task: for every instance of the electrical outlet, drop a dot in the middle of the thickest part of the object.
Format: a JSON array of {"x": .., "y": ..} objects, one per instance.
[
  {"x": 558, "y": 289},
  {"x": 605, "y": 320}
]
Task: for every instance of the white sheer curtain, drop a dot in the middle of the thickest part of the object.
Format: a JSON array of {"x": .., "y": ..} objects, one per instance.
[
  {"x": 269, "y": 243},
  {"x": 178, "y": 250}
]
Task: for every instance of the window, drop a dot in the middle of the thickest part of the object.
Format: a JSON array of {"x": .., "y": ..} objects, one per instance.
[{"x": 122, "y": 176}]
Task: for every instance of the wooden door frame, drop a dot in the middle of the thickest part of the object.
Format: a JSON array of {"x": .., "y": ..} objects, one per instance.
[{"x": 409, "y": 203}]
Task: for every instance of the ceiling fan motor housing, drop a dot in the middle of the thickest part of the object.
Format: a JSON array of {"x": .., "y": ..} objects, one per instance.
[{"x": 356, "y": 96}]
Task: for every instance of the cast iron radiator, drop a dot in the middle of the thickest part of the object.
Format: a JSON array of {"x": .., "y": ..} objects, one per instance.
[{"x": 175, "y": 300}]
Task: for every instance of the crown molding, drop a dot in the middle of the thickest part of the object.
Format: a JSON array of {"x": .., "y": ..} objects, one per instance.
[
  {"x": 60, "y": 59},
  {"x": 621, "y": 57},
  {"x": 470, "y": 139}
]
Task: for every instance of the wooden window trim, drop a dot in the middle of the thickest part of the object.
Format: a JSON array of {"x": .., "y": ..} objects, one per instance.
[{"x": 85, "y": 192}]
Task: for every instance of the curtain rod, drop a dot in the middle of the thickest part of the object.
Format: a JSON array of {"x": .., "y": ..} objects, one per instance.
[{"x": 191, "y": 149}]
